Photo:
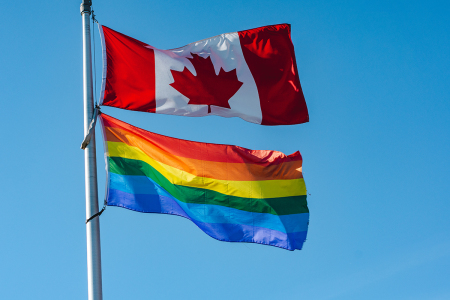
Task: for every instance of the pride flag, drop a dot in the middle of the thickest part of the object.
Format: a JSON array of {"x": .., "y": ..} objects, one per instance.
[{"x": 231, "y": 193}]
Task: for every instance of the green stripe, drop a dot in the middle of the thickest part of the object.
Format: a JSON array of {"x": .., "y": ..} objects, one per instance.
[{"x": 275, "y": 206}]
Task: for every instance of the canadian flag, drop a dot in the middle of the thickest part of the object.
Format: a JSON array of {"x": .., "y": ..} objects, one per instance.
[{"x": 250, "y": 74}]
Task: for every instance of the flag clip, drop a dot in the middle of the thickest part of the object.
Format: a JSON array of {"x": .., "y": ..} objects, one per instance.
[
  {"x": 99, "y": 213},
  {"x": 91, "y": 129}
]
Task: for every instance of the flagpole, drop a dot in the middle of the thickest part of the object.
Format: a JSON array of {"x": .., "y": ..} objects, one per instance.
[{"x": 94, "y": 267}]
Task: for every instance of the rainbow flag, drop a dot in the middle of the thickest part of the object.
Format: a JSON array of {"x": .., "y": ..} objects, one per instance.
[{"x": 231, "y": 193}]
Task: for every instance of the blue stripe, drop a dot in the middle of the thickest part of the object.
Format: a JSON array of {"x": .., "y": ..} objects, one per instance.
[
  {"x": 230, "y": 232},
  {"x": 135, "y": 184},
  {"x": 208, "y": 213}
]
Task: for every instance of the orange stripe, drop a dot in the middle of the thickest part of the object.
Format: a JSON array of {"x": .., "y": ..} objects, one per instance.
[
  {"x": 205, "y": 151},
  {"x": 209, "y": 169}
]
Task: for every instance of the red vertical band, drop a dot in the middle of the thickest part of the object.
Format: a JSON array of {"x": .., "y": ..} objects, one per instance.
[
  {"x": 269, "y": 54},
  {"x": 130, "y": 80}
]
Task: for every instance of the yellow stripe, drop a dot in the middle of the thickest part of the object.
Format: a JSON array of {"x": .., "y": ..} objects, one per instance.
[{"x": 246, "y": 189}]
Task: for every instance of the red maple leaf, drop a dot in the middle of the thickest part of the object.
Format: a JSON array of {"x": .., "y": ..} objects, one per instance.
[{"x": 206, "y": 88}]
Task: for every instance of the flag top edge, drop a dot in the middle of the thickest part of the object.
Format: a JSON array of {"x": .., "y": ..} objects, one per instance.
[
  {"x": 261, "y": 28},
  {"x": 256, "y": 29},
  {"x": 282, "y": 156}
]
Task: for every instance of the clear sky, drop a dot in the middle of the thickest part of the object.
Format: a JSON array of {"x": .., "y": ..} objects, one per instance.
[{"x": 376, "y": 77}]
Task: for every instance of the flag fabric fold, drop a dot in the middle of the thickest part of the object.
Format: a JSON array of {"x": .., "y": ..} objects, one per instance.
[
  {"x": 251, "y": 74},
  {"x": 231, "y": 193}
]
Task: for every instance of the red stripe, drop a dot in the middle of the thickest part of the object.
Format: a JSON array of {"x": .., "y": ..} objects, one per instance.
[
  {"x": 130, "y": 80},
  {"x": 204, "y": 151},
  {"x": 269, "y": 54}
]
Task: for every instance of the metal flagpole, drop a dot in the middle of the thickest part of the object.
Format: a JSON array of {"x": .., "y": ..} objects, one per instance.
[{"x": 94, "y": 266}]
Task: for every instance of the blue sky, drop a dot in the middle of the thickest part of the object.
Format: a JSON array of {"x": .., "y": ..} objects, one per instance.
[{"x": 376, "y": 156}]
